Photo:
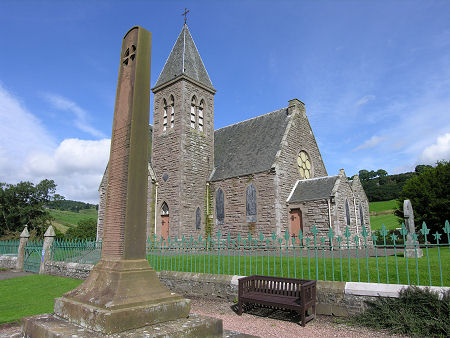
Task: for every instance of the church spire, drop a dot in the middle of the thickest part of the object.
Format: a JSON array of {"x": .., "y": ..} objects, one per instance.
[{"x": 184, "y": 59}]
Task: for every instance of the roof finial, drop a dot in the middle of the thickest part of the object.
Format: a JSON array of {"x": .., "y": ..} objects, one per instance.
[{"x": 186, "y": 11}]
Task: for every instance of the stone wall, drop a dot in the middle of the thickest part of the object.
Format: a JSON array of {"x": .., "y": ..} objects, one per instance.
[
  {"x": 234, "y": 190},
  {"x": 361, "y": 198},
  {"x": 185, "y": 154},
  {"x": 72, "y": 270},
  {"x": 102, "y": 204},
  {"x": 8, "y": 262},
  {"x": 298, "y": 136},
  {"x": 314, "y": 213},
  {"x": 343, "y": 192},
  {"x": 333, "y": 298}
]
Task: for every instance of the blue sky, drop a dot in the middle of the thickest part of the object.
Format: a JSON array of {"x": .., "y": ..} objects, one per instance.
[{"x": 374, "y": 76}]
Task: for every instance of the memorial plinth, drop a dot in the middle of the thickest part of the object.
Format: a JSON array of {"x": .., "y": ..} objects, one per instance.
[{"x": 123, "y": 292}]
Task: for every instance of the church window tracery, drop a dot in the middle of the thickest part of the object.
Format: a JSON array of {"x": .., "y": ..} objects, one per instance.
[
  {"x": 251, "y": 203},
  {"x": 193, "y": 113},
  {"x": 164, "y": 209},
  {"x": 198, "y": 219},
  {"x": 304, "y": 165},
  {"x": 347, "y": 213},
  {"x": 200, "y": 115},
  {"x": 172, "y": 111},
  {"x": 165, "y": 115},
  {"x": 220, "y": 208}
]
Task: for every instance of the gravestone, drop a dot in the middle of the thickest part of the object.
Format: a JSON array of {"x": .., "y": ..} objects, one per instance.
[
  {"x": 411, "y": 228},
  {"x": 122, "y": 292}
]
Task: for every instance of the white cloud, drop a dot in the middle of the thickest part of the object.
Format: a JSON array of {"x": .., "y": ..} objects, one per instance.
[
  {"x": 76, "y": 166},
  {"x": 29, "y": 152},
  {"x": 364, "y": 100},
  {"x": 437, "y": 151},
  {"x": 370, "y": 143},
  {"x": 81, "y": 116}
]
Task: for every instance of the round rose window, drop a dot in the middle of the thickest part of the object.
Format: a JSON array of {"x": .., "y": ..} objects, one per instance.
[{"x": 304, "y": 165}]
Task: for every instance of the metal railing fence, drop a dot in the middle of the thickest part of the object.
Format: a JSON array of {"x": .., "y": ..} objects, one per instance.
[
  {"x": 9, "y": 247},
  {"x": 76, "y": 251},
  {"x": 333, "y": 258}
]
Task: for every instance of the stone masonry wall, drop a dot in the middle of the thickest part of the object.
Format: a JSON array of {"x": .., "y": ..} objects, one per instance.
[
  {"x": 234, "y": 190},
  {"x": 8, "y": 262},
  {"x": 102, "y": 205},
  {"x": 197, "y": 151},
  {"x": 298, "y": 137},
  {"x": 185, "y": 155},
  {"x": 343, "y": 193},
  {"x": 314, "y": 213},
  {"x": 361, "y": 197},
  {"x": 332, "y": 298}
]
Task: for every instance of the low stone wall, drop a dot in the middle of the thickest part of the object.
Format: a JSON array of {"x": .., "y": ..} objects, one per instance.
[
  {"x": 8, "y": 262},
  {"x": 333, "y": 298},
  {"x": 72, "y": 270}
]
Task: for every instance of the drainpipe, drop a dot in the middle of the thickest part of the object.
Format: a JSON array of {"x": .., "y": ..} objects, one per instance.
[
  {"x": 329, "y": 214},
  {"x": 207, "y": 199},
  {"x": 156, "y": 205}
]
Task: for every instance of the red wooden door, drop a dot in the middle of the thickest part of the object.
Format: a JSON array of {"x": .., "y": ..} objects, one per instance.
[
  {"x": 165, "y": 227},
  {"x": 295, "y": 220}
]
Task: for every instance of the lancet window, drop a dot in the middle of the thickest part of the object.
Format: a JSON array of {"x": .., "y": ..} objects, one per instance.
[
  {"x": 220, "y": 208},
  {"x": 200, "y": 115},
  {"x": 347, "y": 212},
  {"x": 251, "y": 203},
  {"x": 198, "y": 219},
  {"x": 165, "y": 115},
  {"x": 193, "y": 111},
  {"x": 172, "y": 111}
]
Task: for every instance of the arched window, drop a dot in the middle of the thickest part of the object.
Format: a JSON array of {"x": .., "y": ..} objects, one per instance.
[
  {"x": 200, "y": 115},
  {"x": 164, "y": 209},
  {"x": 361, "y": 215},
  {"x": 165, "y": 115},
  {"x": 251, "y": 203},
  {"x": 347, "y": 212},
  {"x": 193, "y": 114},
  {"x": 172, "y": 111},
  {"x": 198, "y": 219},
  {"x": 220, "y": 209}
]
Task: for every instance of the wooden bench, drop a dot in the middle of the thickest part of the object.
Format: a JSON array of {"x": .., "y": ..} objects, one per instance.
[{"x": 278, "y": 292}]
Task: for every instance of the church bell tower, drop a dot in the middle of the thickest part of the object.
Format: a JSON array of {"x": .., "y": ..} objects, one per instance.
[{"x": 183, "y": 140}]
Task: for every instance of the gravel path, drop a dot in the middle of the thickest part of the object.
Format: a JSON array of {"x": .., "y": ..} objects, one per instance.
[{"x": 261, "y": 322}]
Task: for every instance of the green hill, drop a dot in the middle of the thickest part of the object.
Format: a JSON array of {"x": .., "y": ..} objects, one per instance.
[
  {"x": 64, "y": 219},
  {"x": 382, "y": 212}
]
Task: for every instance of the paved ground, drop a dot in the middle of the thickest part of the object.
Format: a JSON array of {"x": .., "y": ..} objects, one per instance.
[
  {"x": 256, "y": 321},
  {"x": 5, "y": 274}
]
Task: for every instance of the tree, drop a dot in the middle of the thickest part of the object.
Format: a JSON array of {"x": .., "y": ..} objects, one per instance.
[
  {"x": 429, "y": 193},
  {"x": 86, "y": 229},
  {"x": 421, "y": 167},
  {"x": 24, "y": 204}
]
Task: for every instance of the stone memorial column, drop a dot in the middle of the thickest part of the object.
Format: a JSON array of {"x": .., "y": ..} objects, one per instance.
[
  {"x": 123, "y": 292},
  {"x": 49, "y": 236},
  {"x": 21, "y": 252},
  {"x": 411, "y": 227}
]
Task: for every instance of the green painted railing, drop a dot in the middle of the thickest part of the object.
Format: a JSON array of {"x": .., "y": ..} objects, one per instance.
[
  {"x": 76, "y": 251},
  {"x": 9, "y": 247},
  {"x": 335, "y": 258}
]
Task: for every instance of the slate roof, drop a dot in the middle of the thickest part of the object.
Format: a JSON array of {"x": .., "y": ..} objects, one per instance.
[
  {"x": 250, "y": 146},
  {"x": 184, "y": 59},
  {"x": 312, "y": 189}
]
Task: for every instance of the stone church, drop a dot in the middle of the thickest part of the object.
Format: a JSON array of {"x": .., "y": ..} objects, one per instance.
[{"x": 265, "y": 174}]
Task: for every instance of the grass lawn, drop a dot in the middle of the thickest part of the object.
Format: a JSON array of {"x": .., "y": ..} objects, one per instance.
[
  {"x": 70, "y": 218},
  {"x": 383, "y": 213},
  {"x": 382, "y": 206},
  {"x": 31, "y": 295},
  {"x": 390, "y": 221},
  {"x": 309, "y": 268}
]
